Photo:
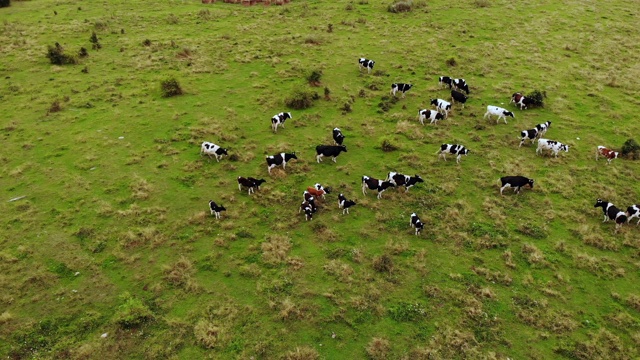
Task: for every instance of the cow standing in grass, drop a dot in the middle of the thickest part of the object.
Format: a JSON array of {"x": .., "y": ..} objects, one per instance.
[
  {"x": 329, "y": 150},
  {"x": 212, "y": 149},
  {"x": 611, "y": 212},
  {"x": 516, "y": 182},
  {"x": 403, "y": 180},
  {"x": 607, "y": 153},
  {"x": 366, "y": 63},
  {"x": 432, "y": 115},
  {"x": 375, "y": 184},
  {"x": 499, "y": 112},
  {"x": 216, "y": 209},
  {"x": 278, "y": 120},
  {"x": 633, "y": 211},
  {"x": 415, "y": 222},
  {"x": 401, "y": 87},
  {"x": 338, "y": 138},
  {"x": 280, "y": 159},
  {"x": 454, "y": 149}
]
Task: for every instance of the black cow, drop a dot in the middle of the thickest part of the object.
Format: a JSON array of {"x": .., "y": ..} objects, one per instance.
[
  {"x": 366, "y": 63},
  {"x": 633, "y": 211},
  {"x": 338, "y": 138},
  {"x": 459, "y": 97},
  {"x": 375, "y": 184},
  {"x": 530, "y": 134},
  {"x": 454, "y": 149},
  {"x": 212, "y": 149},
  {"x": 444, "y": 81},
  {"x": 329, "y": 150},
  {"x": 515, "y": 182},
  {"x": 403, "y": 180},
  {"x": 415, "y": 222},
  {"x": 216, "y": 209},
  {"x": 280, "y": 159},
  {"x": 403, "y": 88},
  {"x": 250, "y": 183},
  {"x": 460, "y": 84},
  {"x": 611, "y": 212},
  {"x": 279, "y": 119}
]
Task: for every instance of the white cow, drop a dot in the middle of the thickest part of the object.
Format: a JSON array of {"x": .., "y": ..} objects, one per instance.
[
  {"x": 553, "y": 146},
  {"x": 499, "y": 112}
]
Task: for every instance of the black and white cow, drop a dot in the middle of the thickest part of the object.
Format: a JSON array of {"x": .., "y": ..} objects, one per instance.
[
  {"x": 344, "y": 204},
  {"x": 403, "y": 180},
  {"x": 611, "y": 212},
  {"x": 498, "y": 111},
  {"x": 329, "y": 150},
  {"x": 280, "y": 159},
  {"x": 530, "y": 134},
  {"x": 366, "y": 63},
  {"x": 521, "y": 100},
  {"x": 454, "y": 149},
  {"x": 375, "y": 184},
  {"x": 308, "y": 210},
  {"x": 459, "y": 97},
  {"x": 460, "y": 84},
  {"x": 338, "y": 138},
  {"x": 403, "y": 88},
  {"x": 279, "y": 119},
  {"x": 515, "y": 182},
  {"x": 212, "y": 149},
  {"x": 542, "y": 128},
  {"x": 633, "y": 211},
  {"x": 250, "y": 183},
  {"x": 415, "y": 222},
  {"x": 216, "y": 209},
  {"x": 432, "y": 115},
  {"x": 444, "y": 81},
  {"x": 441, "y": 105},
  {"x": 552, "y": 145}
]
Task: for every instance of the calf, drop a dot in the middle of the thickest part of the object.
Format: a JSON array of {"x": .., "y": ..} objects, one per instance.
[
  {"x": 338, "y": 138},
  {"x": 459, "y": 97},
  {"x": 345, "y": 204},
  {"x": 607, "y": 153},
  {"x": 500, "y": 112},
  {"x": 212, "y": 149},
  {"x": 375, "y": 184},
  {"x": 318, "y": 192},
  {"x": 515, "y": 182},
  {"x": 521, "y": 100},
  {"x": 611, "y": 212},
  {"x": 633, "y": 211},
  {"x": 444, "y": 81},
  {"x": 460, "y": 84},
  {"x": 432, "y": 115},
  {"x": 365, "y": 63},
  {"x": 279, "y": 119},
  {"x": 441, "y": 105},
  {"x": 542, "y": 128},
  {"x": 530, "y": 134},
  {"x": 415, "y": 222},
  {"x": 251, "y": 183},
  {"x": 403, "y": 180},
  {"x": 329, "y": 150},
  {"x": 216, "y": 209},
  {"x": 280, "y": 159},
  {"x": 308, "y": 210},
  {"x": 403, "y": 88},
  {"x": 454, "y": 149},
  {"x": 553, "y": 146}
]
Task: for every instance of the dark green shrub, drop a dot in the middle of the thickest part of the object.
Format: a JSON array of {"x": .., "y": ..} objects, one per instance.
[
  {"x": 5, "y": 3},
  {"x": 83, "y": 52},
  {"x": 387, "y": 102},
  {"x": 56, "y": 56},
  {"x": 95, "y": 41},
  {"x": 537, "y": 98},
  {"x": 314, "y": 77},
  {"x": 146, "y": 42},
  {"x": 388, "y": 146},
  {"x": 327, "y": 93},
  {"x": 55, "y": 107},
  {"x": 631, "y": 149},
  {"x": 170, "y": 87},
  {"x": 301, "y": 99}
]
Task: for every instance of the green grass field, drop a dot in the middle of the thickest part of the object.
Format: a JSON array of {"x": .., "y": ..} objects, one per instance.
[{"x": 114, "y": 234}]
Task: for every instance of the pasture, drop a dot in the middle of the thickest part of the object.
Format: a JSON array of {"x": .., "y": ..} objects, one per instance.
[{"x": 109, "y": 250}]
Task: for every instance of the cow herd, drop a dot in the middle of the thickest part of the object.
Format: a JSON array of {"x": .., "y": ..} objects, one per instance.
[{"x": 394, "y": 179}]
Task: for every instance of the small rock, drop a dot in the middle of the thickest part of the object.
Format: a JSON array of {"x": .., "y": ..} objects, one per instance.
[
  {"x": 74, "y": 291},
  {"x": 93, "y": 168},
  {"x": 104, "y": 335},
  {"x": 578, "y": 138},
  {"x": 77, "y": 273},
  {"x": 333, "y": 335},
  {"x": 121, "y": 137}
]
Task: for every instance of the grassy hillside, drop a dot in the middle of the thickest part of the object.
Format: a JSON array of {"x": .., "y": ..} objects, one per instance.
[{"x": 114, "y": 235}]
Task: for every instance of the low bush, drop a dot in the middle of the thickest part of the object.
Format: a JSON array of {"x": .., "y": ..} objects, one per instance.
[
  {"x": 383, "y": 263},
  {"x": 314, "y": 76},
  {"x": 170, "y": 87},
  {"x": 132, "y": 313},
  {"x": 631, "y": 149},
  {"x": 388, "y": 146},
  {"x": 56, "y": 55},
  {"x": 401, "y": 6},
  {"x": 83, "y": 52},
  {"x": 301, "y": 99},
  {"x": 95, "y": 41},
  {"x": 538, "y": 98}
]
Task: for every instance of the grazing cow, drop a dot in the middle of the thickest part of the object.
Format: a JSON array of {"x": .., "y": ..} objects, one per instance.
[
  {"x": 216, "y": 209},
  {"x": 530, "y": 134},
  {"x": 515, "y": 182},
  {"x": 500, "y": 112},
  {"x": 250, "y": 183},
  {"x": 521, "y": 100},
  {"x": 375, "y": 184},
  {"x": 542, "y": 128},
  {"x": 633, "y": 211},
  {"x": 338, "y": 138},
  {"x": 415, "y": 222},
  {"x": 329, "y": 150},
  {"x": 308, "y": 210},
  {"x": 611, "y": 212},
  {"x": 280, "y": 159},
  {"x": 344, "y": 204},
  {"x": 459, "y": 97},
  {"x": 454, "y": 149},
  {"x": 403, "y": 88},
  {"x": 307, "y": 196},
  {"x": 432, "y": 115},
  {"x": 278, "y": 120},
  {"x": 460, "y": 84},
  {"x": 553, "y": 146},
  {"x": 365, "y": 63},
  {"x": 403, "y": 180},
  {"x": 318, "y": 192},
  {"x": 444, "y": 81},
  {"x": 441, "y": 105},
  {"x": 607, "y": 153},
  {"x": 212, "y": 149}
]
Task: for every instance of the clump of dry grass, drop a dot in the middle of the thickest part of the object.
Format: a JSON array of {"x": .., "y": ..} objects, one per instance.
[
  {"x": 383, "y": 264},
  {"x": 209, "y": 335},
  {"x": 493, "y": 276},
  {"x": 378, "y": 349},
  {"x": 180, "y": 274},
  {"x": 302, "y": 353},
  {"x": 396, "y": 247},
  {"x": 289, "y": 310},
  {"x": 276, "y": 249},
  {"x": 533, "y": 255},
  {"x": 339, "y": 270}
]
